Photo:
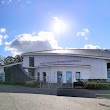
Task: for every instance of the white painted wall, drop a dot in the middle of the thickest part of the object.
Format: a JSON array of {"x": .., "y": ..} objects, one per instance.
[
  {"x": 51, "y": 72},
  {"x": 98, "y": 68},
  {"x": 25, "y": 61},
  {"x": 83, "y": 71},
  {"x": 41, "y": 70}
]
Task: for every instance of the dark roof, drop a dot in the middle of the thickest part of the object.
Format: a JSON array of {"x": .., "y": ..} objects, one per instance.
[{"x": 84, "y": 52}]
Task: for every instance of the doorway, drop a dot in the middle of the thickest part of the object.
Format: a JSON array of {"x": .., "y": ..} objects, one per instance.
[
  {"x": 59, "y": 76},
  {"x": 68, "y": 77},
  {"x": 44, "y": 77}
]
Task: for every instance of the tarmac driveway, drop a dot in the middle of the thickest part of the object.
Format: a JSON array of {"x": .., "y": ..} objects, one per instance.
[{"x": 29, "y": 101}]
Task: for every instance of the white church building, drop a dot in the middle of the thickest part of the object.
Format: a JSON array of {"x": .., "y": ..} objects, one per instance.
[{"x": 68, "y": 65}]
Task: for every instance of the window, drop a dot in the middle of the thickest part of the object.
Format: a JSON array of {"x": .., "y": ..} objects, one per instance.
[
  {"x": 31, "y": 72},
  {"x": 31, "y": 61},
  {"x": 38, "y": 76},
  {"x": 108, "y": 73},
  {"x": 77, "y": 75}
]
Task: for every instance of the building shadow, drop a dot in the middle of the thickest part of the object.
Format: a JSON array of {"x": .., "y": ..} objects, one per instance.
[{"x": 47, "y": 91}]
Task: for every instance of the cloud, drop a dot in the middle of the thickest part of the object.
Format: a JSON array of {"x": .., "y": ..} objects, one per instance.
[
  {"x": 1, "y": 39},
  {"x": 29, "y": 42},
  {"x": 90, "y": 46},
  {"x": 2, "y": 36},
  {"x": 10, "y": 1},
  {"x": 2, "y": 30},
  {"x": 5, "y": 36},
  {"x": 87, "y": 46},
  {"x": 56, "y": 19},
  {"x": 28, "y": 1},
  {"x": 7, "y": 2},
  {"x": 3, "y": 2},
  {"x": 84, "y": 33}
]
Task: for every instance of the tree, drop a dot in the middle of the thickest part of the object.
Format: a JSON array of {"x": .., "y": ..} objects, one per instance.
[
  {"x": 10, "y": 59},
  {"x": 18, "y": 58},
  {"x": 1, "y": 60}
]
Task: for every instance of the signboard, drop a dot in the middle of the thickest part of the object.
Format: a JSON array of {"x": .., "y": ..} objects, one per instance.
[{"x": 60, "y": 62}]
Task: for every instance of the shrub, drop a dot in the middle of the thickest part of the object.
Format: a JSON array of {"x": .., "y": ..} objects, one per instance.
[
  {"x": 97, "y": 85},
  {"x": 97, "y": 80},
  {"x": 78, "y": 84},
  {"x": 32, "y": 83}
]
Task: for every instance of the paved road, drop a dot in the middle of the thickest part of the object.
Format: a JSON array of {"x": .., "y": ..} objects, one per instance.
[
  {"x": 25, "y": 101},
  {"x": 12, "y": 98}
]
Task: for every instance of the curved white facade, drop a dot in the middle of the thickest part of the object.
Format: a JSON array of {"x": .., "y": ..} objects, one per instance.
[{"x": 53, "y": 65}]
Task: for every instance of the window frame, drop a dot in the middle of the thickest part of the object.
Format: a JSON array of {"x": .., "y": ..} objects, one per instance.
[
  {"x": 79, "y": 76},
  {"x": 108, "y": 73},
  {"x": 31, "y": 61}
]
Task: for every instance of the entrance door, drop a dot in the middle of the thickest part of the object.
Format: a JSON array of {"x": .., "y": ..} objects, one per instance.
[
  {"x": 69, "y": 77},
  {"x": 38, "y": 76},
  {"x": 44, "y": 77},
  {"x": 59, "y": 76}
]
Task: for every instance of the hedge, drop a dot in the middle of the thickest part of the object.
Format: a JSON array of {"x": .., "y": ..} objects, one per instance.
[
  {"x": 32, "y": 83},
  {"x": 97, "y": 85}
]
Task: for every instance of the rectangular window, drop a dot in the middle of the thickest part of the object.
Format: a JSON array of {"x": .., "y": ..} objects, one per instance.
[
  {"x": 108, "y": 73},
  {"x": 31, "y": 72},
  {"x": 38, "y": 76},
  {"x": 77, "y": 75},
  {"x": 31, "y": 61}
]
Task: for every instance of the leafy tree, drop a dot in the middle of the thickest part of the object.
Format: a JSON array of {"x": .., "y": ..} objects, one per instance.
[
  {"x": 11, "y": 59},
  {"x": 18, "y": 58},
  {"x": 1, "y": 60}
]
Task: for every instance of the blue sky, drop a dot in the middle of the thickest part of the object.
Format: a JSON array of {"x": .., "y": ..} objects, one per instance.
[{"x": 29, "y": 25}]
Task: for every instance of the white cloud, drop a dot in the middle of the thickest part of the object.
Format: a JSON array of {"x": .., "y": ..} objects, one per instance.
[
  {"x": 1, "y": 39},
  {"x": 57, "y": 19},
  {"x": 10, "y": 0},
  {"x": 29, "y": 42},
  {"x": 87, "y": 46},
  {"x": 84, "y": 33},
  {"x": 34, "y": 33},
  {"x": 6, "y": 2},
  {"x": 2, "y": 30},
  {"x": 5, "y": 36},
  {"x": 70, "y": 48},
  {"x": 28, "y": 1},
  {"x": 90, "y": 46}
]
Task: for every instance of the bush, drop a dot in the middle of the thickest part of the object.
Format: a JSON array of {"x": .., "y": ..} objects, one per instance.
[
  {"x": 33, "y": 83},
  {"x": 78, "y": 84},
  {"x": 97, "y": 85},
  {"x": 97, "y": 80}
]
